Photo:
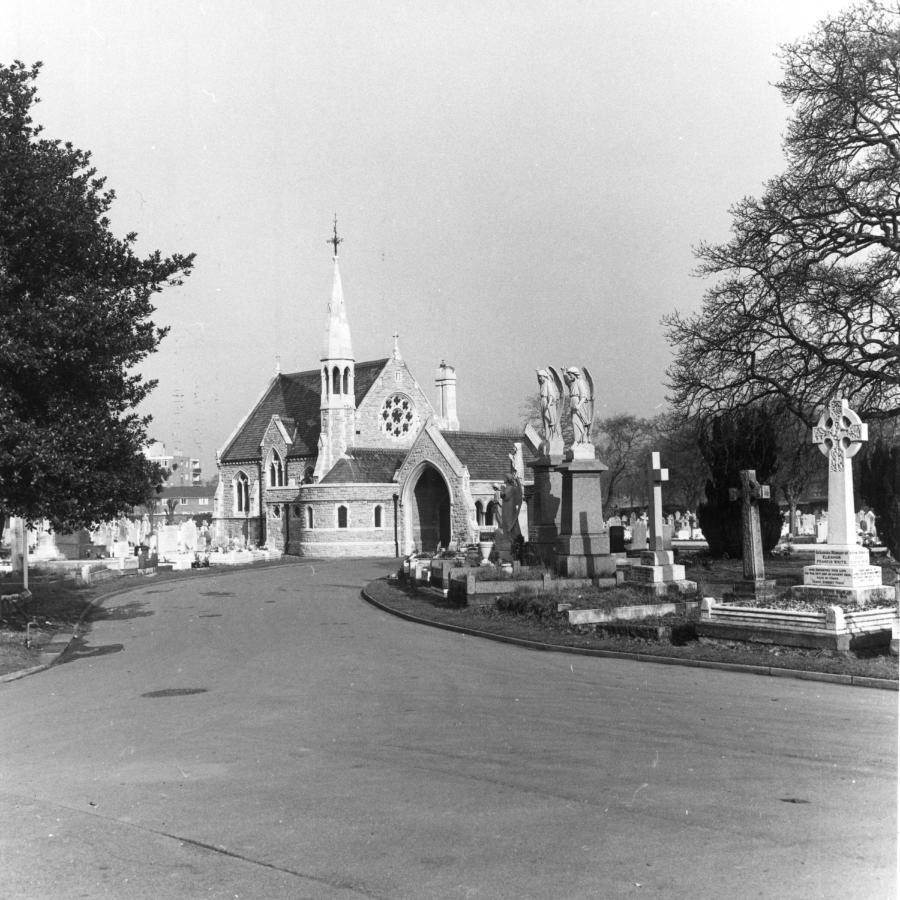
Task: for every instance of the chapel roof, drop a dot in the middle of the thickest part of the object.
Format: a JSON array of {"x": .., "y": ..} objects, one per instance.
[
  {"x": 296, "y": 397},
  {"x": 365, "y": 466},
  {"x": 486, "y": 455}
]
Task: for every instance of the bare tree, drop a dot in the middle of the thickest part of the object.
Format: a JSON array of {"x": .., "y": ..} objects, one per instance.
[
  {"x": 623, "y": 442},
  {"x": 807, "y": 305}
]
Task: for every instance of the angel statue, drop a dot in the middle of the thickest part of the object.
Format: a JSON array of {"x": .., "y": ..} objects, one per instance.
[
  {"x": 551, "y": 392},
  {"x": 508, "y": 496},
  {"x": 581, "y": 402}
]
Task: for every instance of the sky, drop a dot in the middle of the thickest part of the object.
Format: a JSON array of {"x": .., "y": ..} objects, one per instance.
[{"x": 518, "y": 184}]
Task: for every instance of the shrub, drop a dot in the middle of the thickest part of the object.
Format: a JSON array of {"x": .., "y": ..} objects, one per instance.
[{"x": 743, "y": 439}]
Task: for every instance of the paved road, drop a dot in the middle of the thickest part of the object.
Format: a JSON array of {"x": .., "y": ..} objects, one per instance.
[{"x": 327, "y": 750}]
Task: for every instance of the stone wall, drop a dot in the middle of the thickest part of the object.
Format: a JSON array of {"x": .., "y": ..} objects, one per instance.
[
  {"x": 227, "y": 475},
  {"x": 360, "y": 537},
  {"x": 233, "y": 528}
]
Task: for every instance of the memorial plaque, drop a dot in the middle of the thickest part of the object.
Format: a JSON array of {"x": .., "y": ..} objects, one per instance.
[
  {"x": 848, "y": 556},
  {"x": 840, "y": 577}
]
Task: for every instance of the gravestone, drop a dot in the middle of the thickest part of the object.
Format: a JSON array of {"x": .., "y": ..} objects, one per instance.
[
  {"x": 755, "y": 585},
  {"x": 841, "y": 573},
  {"x": 658, "y": 573},
  {"x": 616, "y": 538},
  {"x": 46, "y": 548},
  {"x": 121, "y": 549},
  {"x": 75, "y": 545},
  {"x": 167, "y": 538},
  {"x": 188, "y": 535},
  {"x": 639, "y": 535}
]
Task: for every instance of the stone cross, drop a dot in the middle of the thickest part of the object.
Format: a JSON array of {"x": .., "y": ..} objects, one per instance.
[
  {"x": 750, "y": 494},
  {"x": 839, "y": 434},
  {"x": 334, "y": 240},
  {"x": 656, "y": 476}
]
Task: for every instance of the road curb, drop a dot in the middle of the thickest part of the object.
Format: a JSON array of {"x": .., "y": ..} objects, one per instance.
[{"x": 884, "y": 684}]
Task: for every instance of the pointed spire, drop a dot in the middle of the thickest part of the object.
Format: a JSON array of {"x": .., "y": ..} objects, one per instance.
[{"x": 337, "y": 343}]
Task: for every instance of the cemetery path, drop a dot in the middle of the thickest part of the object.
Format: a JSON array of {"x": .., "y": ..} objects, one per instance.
[{"x": 265, "y": 733}]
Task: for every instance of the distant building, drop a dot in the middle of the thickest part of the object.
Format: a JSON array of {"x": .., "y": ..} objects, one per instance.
[
  {"x": 179, "y": 502},
  {"x": 183, "y": 469},
  {"x": 351, "y": 458}
]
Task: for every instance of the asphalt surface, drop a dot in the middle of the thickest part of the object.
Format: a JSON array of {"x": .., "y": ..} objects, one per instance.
[{"x": 267, "y": 734}]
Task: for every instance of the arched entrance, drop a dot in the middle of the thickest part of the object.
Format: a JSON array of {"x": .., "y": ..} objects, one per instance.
[{"x": 428, "y": 510}]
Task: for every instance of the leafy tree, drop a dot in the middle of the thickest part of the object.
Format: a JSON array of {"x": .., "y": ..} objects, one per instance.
[
  {"x": 806, "y": 306},
  {"x": 742, "y": 439},
  {"x": 75, "y": 308}
]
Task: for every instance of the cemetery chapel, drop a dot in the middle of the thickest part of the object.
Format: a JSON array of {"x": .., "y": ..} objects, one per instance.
[{"x": 352, "y": 459}]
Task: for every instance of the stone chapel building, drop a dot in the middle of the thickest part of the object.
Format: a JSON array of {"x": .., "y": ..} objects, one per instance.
[{"x": 352, "y": 459}]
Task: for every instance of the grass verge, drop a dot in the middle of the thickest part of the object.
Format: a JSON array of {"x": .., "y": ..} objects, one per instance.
[{"x": 539, "y": 623}]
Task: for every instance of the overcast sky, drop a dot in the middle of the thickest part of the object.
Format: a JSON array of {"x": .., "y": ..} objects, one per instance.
[{"x": 518, "y": 184}]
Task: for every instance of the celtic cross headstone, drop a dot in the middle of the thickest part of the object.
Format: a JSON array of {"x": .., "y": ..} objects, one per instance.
[
  {"x": 842, "y": 573},
  {"x": 839, "y": 434}
]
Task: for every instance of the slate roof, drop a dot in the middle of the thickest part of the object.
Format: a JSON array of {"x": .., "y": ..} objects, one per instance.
[
  {"x": 295, "y": 397},
  {"x": 486, "y": 455},
  {"x": 365, "y": 466}
]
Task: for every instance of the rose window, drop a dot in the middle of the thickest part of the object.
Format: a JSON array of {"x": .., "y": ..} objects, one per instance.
[{"x": 398, "y": 416}]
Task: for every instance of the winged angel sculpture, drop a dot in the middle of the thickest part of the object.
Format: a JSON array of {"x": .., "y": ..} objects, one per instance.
[
  {"x": 581, "y": 402},
  {"x": 552, "y": 391}
]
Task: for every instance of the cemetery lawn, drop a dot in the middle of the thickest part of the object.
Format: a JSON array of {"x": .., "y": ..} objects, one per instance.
[
  {"x": 56, "y": 605},
  {"x": 536, "y": 619}
]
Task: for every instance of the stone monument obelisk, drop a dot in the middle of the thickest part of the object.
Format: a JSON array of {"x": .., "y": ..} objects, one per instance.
[{"x": 582, "y": 548}]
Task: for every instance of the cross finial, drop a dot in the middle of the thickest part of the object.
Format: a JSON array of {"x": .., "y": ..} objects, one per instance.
[
  {"x": 334, "y": 240},
  {"x": 396, "y": 344}
]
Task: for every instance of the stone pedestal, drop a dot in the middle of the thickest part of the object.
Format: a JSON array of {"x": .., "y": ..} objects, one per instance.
[
  {"x": 582, "y": 549},
  {"x": 46, "y": 548},
  {"x": 659, "y": 575},
  {"x": 841, "y": 576},
  {"x": 546, "y": 507}
]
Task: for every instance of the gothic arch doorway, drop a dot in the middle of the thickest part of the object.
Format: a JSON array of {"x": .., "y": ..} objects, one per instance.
[{"x": 428, "y": 505}]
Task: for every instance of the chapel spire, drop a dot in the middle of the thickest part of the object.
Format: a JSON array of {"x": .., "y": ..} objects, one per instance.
[
  {"x": 337, "y": 406},
  {"x": 337, "y": 344}
]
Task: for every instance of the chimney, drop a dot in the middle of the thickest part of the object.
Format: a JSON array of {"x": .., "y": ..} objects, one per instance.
[{"x": 446, "y": 387}]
